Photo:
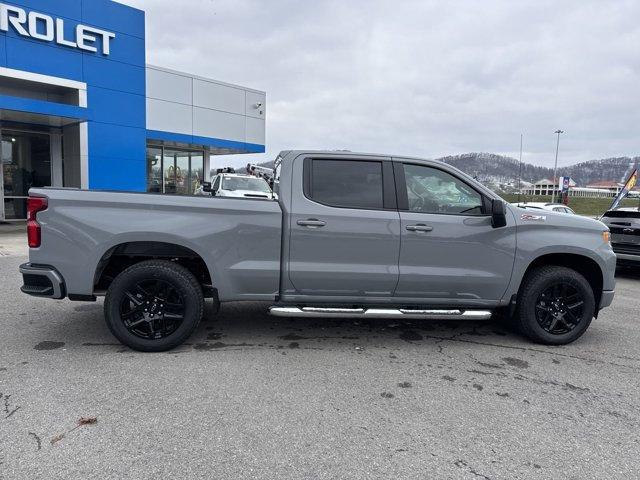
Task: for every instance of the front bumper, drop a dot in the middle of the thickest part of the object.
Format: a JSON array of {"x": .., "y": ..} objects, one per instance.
[
  {"x": 42, "y": 281},
  {"x": 628, "y": 258},
  {"x": 627, "y": 252},
  {"x": 607, "y": 298}
]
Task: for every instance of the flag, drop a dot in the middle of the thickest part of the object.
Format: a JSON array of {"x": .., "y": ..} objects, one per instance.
[{"x": 633, "y": 180}]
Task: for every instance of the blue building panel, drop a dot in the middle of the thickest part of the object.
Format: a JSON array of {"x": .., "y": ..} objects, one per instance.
[
  {"x": 40, "y": 57},
  {"x": 3, "y": 51},
  {"x": 125, "y": 48},
  {"x": 114, "y": 16},
  {"x": 116, "y": 173},
  {"x": 238, "y": 147},
  {"x": 117, "y": 141},
  {"x": 118, "y": 108},
  {"x": 105, "y": 73},
  {"x": 71, "y": 9},
  {"x": 28, "y": 105}
]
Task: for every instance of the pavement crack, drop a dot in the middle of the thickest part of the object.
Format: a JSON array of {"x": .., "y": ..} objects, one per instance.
[
  {"x": 7, "y": 406},
  {"x": 455, "y": 338},
  {"x": 12, "y": 412},
  {"x": 37, "y": 439},
  {"x": 465, "y": 465}
]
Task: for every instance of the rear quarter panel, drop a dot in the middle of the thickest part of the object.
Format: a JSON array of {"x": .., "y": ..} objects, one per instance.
[{"x": 238, "y": 239}]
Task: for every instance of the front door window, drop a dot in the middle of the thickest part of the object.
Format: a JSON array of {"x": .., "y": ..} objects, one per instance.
[{"x": 430, "y": 190}]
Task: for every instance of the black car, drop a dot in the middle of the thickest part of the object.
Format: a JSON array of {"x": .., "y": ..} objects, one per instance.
[{"x": 624, "y": 224}]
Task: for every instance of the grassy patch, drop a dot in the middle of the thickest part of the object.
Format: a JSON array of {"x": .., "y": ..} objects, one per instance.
[{"x": 582, "y": 206}]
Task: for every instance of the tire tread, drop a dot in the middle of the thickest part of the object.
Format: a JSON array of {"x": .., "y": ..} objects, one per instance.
[
  {"x": 527, "y": 326},
  {"x": 187, "y": 279}
]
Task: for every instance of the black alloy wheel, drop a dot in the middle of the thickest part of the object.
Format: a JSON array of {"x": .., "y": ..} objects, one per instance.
[
  {"x": 154, "y": 305},
  {"x": 555, "y": 305},
  {"x": 152, "y": 309},
  {"x": 560, "y": 308}
]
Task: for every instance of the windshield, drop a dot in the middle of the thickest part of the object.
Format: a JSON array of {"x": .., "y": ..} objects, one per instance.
[
  {"x": 251, "y": 184},
  {"x": 622, "y": 214}
]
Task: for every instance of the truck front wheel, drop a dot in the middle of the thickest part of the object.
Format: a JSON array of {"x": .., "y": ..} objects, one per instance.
[
  {"x": 555, "y": 305},
  {"x": 154, "y": 306}
]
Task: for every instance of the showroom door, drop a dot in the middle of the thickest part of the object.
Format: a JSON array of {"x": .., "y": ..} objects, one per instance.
[
  {"x": 183, "y": 171},
  {"x": 26, "y": 163},
  {"x": 1, "y": 183}
]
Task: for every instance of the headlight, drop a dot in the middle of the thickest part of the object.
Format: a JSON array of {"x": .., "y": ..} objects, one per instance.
[{"x": 606, "y": 236}]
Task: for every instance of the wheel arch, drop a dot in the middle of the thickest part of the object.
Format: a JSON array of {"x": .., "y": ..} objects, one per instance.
[
  {"x": 120, "y": 256},
  {"x": 584, "y": 265}
]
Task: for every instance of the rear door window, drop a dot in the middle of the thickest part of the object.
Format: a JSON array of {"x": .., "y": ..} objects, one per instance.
[{"x": 346, "y": 183}]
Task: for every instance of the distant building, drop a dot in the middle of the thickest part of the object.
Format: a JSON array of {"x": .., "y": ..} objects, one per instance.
[
  {"x": 546, "y": 187},
  {"x": 601, "y": 189},
  {"x": 588, "y": 192},
  {"x": 613, "y": 187}
]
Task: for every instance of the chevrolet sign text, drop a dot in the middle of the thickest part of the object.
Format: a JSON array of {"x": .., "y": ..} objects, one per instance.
[{"x": 46, "y": 28}]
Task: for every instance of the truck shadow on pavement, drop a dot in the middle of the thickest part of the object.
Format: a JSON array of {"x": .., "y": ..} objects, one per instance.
[
  {"x": 240, "y": 326},
  {"x": 237, "y": 321}
]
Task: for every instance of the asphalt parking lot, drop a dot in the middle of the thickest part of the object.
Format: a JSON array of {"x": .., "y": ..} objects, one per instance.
[{"x": 257, "y": 397}]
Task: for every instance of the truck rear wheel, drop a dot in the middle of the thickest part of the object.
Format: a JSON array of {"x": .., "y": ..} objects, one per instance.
[
  {"x": 555, "y": 305},
  {"x": 154, "y": 306}
]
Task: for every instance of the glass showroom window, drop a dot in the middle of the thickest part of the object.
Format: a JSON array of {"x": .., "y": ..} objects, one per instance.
[
  {"x": 154, "y": 169},
  {"x": 174, "y": 171}
]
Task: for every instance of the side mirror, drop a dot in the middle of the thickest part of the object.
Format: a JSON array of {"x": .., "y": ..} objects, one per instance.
[
  {"x": 206, "y": 187},
  {"x": 498, "y": 214}
]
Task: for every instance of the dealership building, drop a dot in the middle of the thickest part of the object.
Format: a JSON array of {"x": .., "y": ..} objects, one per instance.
[{"x": 80, "y": 107}]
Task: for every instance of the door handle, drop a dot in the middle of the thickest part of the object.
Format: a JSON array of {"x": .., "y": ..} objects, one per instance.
[
  {"x": 312, "y": 223},
  {"x": 419, "y": 228}
]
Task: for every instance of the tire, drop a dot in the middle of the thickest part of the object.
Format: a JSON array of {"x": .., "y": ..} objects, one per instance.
[
  {"x": 550, "y": 318},
  {"x": 144, "y": 304}
]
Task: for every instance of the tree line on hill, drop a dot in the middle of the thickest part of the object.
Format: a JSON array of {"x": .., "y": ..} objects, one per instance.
[{"x": 501, "y": 172}]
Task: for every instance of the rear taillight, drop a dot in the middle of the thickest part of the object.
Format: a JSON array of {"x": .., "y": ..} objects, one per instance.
[{"x": 34, "y": 205}]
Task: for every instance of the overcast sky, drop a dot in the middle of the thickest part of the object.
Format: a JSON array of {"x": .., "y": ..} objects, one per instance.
[{"x": 423, "y": 78}]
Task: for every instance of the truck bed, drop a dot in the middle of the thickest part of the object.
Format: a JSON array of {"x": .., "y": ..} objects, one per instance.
[{"x": 238, "y": 239}]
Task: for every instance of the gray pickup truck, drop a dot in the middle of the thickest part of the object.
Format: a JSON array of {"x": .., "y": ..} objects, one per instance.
[{"x": 350, "y": 235}]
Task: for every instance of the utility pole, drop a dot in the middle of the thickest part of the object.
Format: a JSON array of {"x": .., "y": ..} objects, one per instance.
[
  {"x": 555, "y": 168},
  {"x": 520, "y": 172}
]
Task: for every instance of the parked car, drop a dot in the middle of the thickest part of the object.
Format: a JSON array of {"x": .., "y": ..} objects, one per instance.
[
  {"x": 552, "y": 207},
  {"x": 352, "y": 235},
  {"x": 624, "y": 224},
  {"x": 238, "y": 186}
]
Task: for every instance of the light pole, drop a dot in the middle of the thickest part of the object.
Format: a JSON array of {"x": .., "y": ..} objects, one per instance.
[
  {"x": 555, "y": 168},
  {"x": 520, "y": 171}
]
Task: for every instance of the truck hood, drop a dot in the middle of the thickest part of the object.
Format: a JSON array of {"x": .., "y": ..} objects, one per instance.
[
  {"x": 243, "y": 194},
  {"x": 548, "y": 218}
]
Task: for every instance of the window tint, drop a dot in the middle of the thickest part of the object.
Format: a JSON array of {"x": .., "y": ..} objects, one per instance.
[
  {"x": 216, "y": 184},
  {"x": 430, "y": 190},
  {"x": 347, "y": 183}
]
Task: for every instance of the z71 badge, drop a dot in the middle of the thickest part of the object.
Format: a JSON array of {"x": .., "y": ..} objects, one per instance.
[{"x": 527, "y": 217}]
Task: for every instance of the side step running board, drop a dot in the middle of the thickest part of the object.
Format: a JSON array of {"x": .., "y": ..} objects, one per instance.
[{"x": 380, "y": 313}]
